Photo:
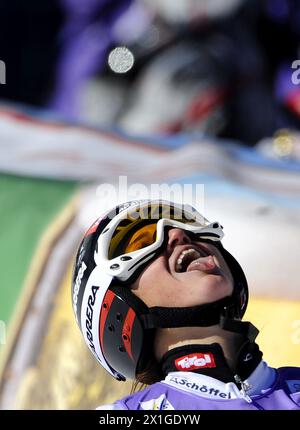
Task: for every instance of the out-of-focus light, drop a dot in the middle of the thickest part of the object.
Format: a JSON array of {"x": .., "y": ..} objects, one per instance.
[
  {"x": 120, "y": 59},
  {"x": 283, "y": 143}
]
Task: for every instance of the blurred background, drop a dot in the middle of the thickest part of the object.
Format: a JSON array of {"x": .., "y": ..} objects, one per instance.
[{"x": 189, "y": 92}]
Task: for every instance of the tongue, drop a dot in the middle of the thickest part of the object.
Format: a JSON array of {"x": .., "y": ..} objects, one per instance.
[{"x": 202, "y": 263}]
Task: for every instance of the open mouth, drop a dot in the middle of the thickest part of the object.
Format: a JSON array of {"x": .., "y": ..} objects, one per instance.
[{"x": 194, "y": 259}]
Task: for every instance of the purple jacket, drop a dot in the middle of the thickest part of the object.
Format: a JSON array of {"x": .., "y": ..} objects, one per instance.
[{"x": 266, "y": 389}]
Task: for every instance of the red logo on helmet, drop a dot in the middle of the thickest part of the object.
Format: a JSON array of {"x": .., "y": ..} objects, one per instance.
[
  {"x": 93, "y": 227},
  {"x": 195, "y": 361}
]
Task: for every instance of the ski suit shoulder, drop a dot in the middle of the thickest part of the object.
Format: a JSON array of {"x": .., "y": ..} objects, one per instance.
[{"x": 190, "y": 391}]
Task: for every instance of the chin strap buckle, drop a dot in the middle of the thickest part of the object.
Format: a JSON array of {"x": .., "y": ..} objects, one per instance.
[{"x": 244, "y": 328}]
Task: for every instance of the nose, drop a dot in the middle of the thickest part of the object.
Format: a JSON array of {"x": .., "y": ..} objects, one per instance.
[{"x": 177, "y": 237}]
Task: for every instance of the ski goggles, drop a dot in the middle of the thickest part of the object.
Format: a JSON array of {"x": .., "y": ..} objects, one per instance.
[
  {"x": 137, "y": 234},
  {"x": 137, "y": 230}
]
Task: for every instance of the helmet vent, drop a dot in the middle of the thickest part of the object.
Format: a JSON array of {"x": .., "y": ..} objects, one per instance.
[{"x": 125, "y": 258}]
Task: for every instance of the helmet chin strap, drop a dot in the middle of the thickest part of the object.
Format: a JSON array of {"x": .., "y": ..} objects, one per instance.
[
  {"x": 196, "y": 316},
  {"x": 199, "y": 316},
  {"x": 244, "y": 328}
]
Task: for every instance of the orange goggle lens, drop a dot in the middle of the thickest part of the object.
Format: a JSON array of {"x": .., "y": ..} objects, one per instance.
[
  {"x": 128, "y": 240},
  {"x": 145, "y": 236}
]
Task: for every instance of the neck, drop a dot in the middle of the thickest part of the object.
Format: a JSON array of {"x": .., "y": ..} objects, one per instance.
[{"x": 168, "y": 339}]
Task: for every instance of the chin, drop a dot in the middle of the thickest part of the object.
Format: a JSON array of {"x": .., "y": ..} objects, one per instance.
[
  {"x": 211, "y": 279},
  {"x": 215, "y": 289}
]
